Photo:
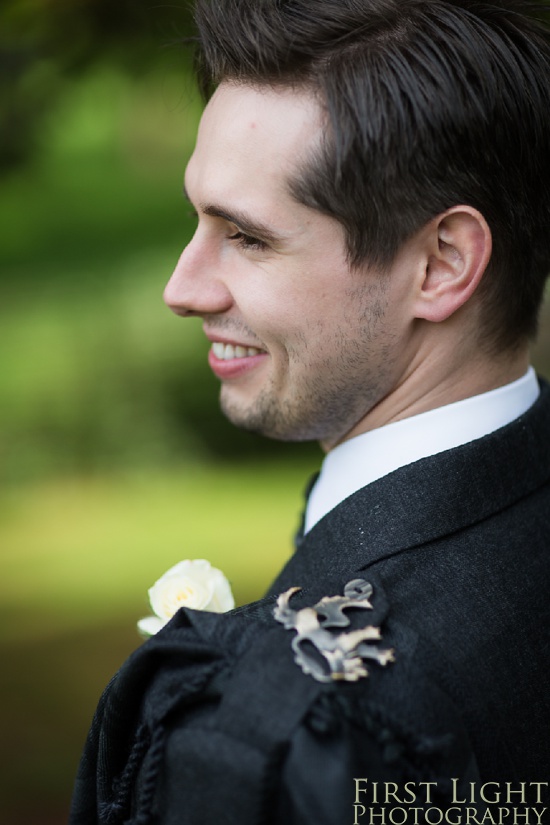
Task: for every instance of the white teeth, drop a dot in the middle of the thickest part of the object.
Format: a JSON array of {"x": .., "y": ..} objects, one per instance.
[{"x": 226, "y": 352}]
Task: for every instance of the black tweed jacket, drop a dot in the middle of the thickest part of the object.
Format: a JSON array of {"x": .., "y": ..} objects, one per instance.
[{"x": 212, "y": 721}]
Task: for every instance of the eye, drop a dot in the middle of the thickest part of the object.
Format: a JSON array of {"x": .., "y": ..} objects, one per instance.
[{"x": 247, "y": 241}]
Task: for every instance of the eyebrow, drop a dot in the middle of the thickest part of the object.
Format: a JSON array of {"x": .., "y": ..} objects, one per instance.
[{"x": 245, "y": 224}]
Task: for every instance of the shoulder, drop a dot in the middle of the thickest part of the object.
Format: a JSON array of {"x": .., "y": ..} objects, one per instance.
[{"x": 279, "y": 740}]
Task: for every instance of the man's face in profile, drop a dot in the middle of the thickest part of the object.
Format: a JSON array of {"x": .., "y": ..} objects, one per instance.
[{"x": 304, "y": 345}]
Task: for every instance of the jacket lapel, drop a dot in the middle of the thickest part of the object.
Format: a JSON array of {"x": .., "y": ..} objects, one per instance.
[{"x": 427, "y": 500}]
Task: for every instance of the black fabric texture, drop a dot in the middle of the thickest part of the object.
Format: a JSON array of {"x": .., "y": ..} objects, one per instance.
[
  {"x": 460, "y": 543},
  {"x": 212, "y": 721}
]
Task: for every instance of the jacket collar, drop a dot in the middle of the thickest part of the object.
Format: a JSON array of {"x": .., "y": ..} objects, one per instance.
[{"x": 427, "y": 500}]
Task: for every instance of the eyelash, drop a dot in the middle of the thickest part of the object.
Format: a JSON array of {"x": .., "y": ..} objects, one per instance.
[
  {"x": 247, "y": 241},
  {"x": 242, "y": 240}
]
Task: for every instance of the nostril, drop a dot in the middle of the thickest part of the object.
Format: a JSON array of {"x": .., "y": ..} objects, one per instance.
[{"x": 182, "y": 312}]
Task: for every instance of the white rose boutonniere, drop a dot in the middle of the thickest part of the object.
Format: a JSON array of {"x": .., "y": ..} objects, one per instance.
[{"x": 191, "y": 583}]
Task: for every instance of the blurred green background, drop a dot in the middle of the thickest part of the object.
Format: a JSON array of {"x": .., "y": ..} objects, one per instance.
[{"x": 115, "y": 462}]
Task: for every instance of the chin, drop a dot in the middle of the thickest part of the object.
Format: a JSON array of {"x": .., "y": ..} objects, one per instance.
[{"x": 273, "y": 420}]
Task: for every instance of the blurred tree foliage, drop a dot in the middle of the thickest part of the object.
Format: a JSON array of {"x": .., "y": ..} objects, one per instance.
[
  {"x": 98, "y": 115},
  {"x": 43, "y": 41}
]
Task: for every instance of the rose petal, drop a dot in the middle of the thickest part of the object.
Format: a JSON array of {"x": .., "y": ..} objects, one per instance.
[
  {"x": 150, "y": 625},
  {"x": 168, "y": 595},
  {"x": 191, "y": 583},
  {"x": 222, "y": 599}
]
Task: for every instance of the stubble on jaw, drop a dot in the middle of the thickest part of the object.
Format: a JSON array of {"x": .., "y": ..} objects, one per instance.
[{"x": 329, "y": 397}]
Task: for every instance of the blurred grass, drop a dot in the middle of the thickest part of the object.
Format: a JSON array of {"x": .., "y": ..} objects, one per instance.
[
  {"x": 77, "y": 559},
  {"x": 83, "y": 552}
]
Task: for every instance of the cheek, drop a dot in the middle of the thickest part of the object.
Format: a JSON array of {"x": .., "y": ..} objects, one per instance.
[
  {"x": 276, "y": 312},
  {"x": 296, "y": 307}
]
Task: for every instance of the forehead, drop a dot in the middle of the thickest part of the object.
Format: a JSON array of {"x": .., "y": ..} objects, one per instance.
[{"x": 252, "y": 135}]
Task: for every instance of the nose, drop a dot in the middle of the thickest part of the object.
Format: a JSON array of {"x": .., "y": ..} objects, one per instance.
[{"x": 197, "y": 286}]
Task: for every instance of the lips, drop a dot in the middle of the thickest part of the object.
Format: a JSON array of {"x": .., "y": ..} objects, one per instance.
[{"x": 234, "y": 360}]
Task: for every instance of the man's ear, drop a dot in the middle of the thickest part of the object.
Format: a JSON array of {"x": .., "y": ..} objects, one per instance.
[{"x": 459, "y": 246}]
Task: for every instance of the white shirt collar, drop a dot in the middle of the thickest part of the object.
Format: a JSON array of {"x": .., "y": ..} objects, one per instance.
[{"x": 369, "y": 456}]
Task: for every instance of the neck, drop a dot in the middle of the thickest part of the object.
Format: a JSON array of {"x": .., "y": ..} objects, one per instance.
[{"x": 437, "y": 376}]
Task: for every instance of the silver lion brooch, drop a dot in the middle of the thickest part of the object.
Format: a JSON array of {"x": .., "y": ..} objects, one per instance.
[{"x": 332, "y": 656}]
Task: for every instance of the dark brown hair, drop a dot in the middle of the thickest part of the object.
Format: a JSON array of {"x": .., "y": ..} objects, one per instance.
[{"x": 431, "y": 103}]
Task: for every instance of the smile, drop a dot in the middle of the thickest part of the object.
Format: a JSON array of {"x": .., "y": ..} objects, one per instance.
[
  {"x": 228, "y": 352},
  {"x": 234, "y": 361}
]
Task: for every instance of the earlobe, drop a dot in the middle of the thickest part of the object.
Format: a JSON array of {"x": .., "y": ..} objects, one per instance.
[{"x": 458, "y": 249}]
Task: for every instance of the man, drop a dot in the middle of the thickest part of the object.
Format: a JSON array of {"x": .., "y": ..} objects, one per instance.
[{"x": 372, "y": 184}]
